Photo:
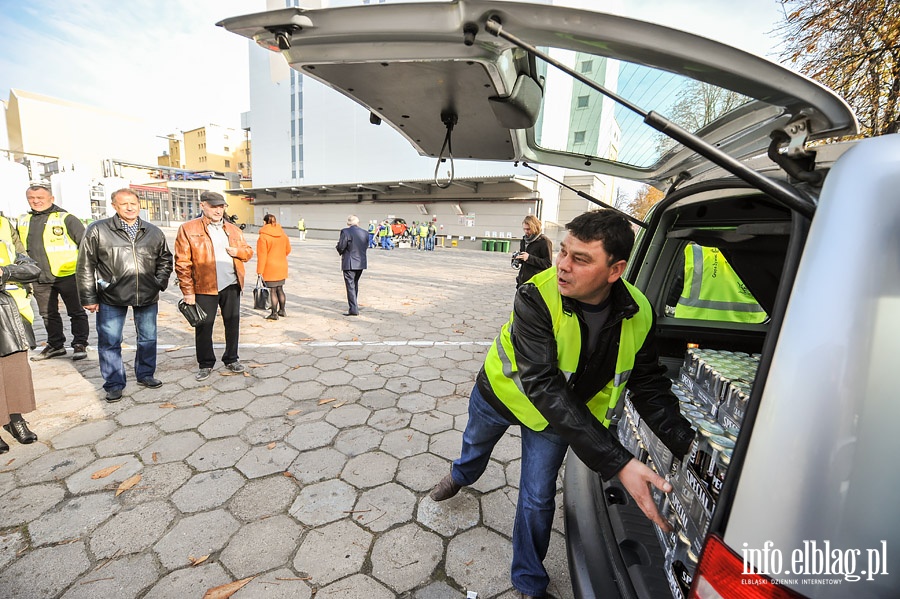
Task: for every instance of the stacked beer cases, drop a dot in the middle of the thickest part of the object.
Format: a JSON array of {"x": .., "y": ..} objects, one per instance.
[{"x": 713, "y": 388}]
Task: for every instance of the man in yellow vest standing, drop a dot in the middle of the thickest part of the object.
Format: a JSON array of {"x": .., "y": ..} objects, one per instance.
[
  {"x": 51, "y": 236},
  {"x": 10, "y": 246},
  {"x": 578, "y": 336},
  {"x": 301, "y": 227}
]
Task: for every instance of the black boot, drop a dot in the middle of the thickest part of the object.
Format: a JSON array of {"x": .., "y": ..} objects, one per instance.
[
  {"x": 3, "y": 446},
  {"x": 272, "y": 316},
  {"x": 19, "y": 429}
]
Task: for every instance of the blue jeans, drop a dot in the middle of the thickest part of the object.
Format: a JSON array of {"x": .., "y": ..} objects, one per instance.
[
  {"x": 542, "y": 456},
  {"x": 110, "y": 323}
]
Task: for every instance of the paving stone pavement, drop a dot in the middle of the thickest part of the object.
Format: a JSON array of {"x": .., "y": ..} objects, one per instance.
[{"x": 309, "y": 473}]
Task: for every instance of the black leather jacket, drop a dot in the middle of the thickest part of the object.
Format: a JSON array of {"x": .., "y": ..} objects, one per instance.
[
  {"x": 112, "y": 269},
  {"x": 13, "y": 337},
  {"x": 563, "y": 403}
]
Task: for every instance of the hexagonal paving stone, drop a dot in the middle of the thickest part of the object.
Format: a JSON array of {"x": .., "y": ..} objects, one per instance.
[
  {"x": 157, "y": 482},
  {"x": 198, "y": 535},
  {"x": 183, "y": 419},
  {"x": 32, "y": 572},
  {"x": 268, "y": 371},
  {"x": 132, "y": 531},
  {"x": 456, "y": 405},
  {"x": 302, "y": 374},
  {"x": 317, "y": 465},
  {"x": 263, "y": 460},
  {"x": 261, "y": 545},
  {"x": 513, "y": 472},
  {"x": 508, "y": 448},
  {"x": 499, "y": 509},
  {"x": 81, "y": 482},
  {"x": 278, "y": 584},
  {"x": 324, "y": 502},
  {"x": 446, "y": 444},
  {"x": 431, "y": 422},
  {"x": 440, "y": 590},
  {"x": 383, "y": 358},
  {"x": 219, "y": 453},
  {"x": 449, "y": 517},
  {"x": 368, "y": 382},
  {"x": 207, "y": 490},
  {"x": 358, "y": 586},
  {"x": 128, "y": 439},
  {"x": 311, "y": 435},
  {"x": 425, "y": 373},
  {"x": 224, "y": 425},
  {"x": 83, "y": 434},
  {"x": 381, "y": 508},
  {"x": 402, "y": 385},
  {"x": 267, "y": 407},
  {"x": 378, "y": 399},
  {"x": 389, "y": 419},
  {"x": 122, "y": 578},
  {"x": 406, "y": 557},
  {"x": 73, "y": 519},
  {"x": 333, "y": 551},
  {"x": 330, "y": 378},
  {"x": 140, "y": 415},
  {"x": 358, "y": 440},
  {"x": 54, "y": 466},
  {"x": 24, "y": 504},
  {"x": 417, "y": 402},
  {"x": 474, "y": 558},
  {"x": 348, "y": 415},
  {"x": 370, "y": 469},
  {"x": 263, "y": 498},
  {"x": 422, "y": 472},
  {"x": 404, "y": 443},
  {"x": 172, "y": 448},
  {"x": 267, "y": 430},
  {"x": 189, "y": 582},
  {"x": 230, "y": 402}
]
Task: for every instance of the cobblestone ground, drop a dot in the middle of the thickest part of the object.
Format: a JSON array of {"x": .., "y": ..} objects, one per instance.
[{"x": 308, "y": 475}]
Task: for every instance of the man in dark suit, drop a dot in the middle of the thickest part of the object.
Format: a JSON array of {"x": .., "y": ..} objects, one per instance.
[{"x": 352, "y": 247}]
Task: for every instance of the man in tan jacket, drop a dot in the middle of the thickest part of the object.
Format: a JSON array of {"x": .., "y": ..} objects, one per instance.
[{"x": 209, "y": 262}]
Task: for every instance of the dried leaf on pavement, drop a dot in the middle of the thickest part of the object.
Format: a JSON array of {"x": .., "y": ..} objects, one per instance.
[
  {"x": 104, "y": 472},
  {"x": 227, "y": 590},
  {"x": 337, "y": 405},
  {"x": 329, "y": 400},
  {"x": 294, "y": 412},
  {"x": 168, "y": 404},
  {"x": 128, "y": 483},
  {"x": 154, "y": 456},
  {"x": 195, "y": 561},
  {"x": 271, "y": 445}
]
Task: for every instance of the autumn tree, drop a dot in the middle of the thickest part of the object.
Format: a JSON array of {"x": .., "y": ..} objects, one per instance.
[
  {"x": 642, "y": 201},
  {"x": 853, "y": 47},
  {"x": 697, "y": 104}
]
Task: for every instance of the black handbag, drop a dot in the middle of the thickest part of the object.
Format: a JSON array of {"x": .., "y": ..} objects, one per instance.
[
  {"x": 260, "y": 295},
  {"x": 193, "y": 313}
]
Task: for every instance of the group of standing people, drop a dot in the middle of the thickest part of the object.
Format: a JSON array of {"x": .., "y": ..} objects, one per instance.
[{"x": 423, "y": 235}]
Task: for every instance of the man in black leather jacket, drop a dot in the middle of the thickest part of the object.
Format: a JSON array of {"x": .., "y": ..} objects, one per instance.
[
  {"x": 124, "y": 261},
  {"x": 579, "y": 335}
]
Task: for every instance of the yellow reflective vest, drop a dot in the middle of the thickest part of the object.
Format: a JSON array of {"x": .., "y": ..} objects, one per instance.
[
  {"x": 713, "y": 291},
  {"x": 8, "y": 256},
  {"x": 500, "y": 364},
  {"x": 61, "y": 249}
]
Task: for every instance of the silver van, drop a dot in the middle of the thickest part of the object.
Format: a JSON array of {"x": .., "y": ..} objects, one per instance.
[{"x": 788, "y": 491}]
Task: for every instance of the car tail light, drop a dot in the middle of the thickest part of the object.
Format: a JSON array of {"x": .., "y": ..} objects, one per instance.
[{"x": 720, "y": 575}]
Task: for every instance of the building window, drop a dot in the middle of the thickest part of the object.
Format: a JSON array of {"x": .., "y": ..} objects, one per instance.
[
  {"x": 583, "y": 101},
  {"x": 587, "y": 66},
  {"x": 227, "y": 163},
  {"x": 579, "y": 137},
  {"x": 227, "y": 149}
]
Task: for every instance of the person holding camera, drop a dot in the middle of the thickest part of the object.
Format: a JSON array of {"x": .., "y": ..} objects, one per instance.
[{"x": 535, "y": 251}]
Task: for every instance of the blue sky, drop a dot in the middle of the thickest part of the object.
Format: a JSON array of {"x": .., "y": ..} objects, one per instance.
[{"x": 166, "y": 61}]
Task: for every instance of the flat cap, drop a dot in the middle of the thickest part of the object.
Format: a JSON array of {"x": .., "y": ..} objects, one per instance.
[{"x": 212, "y": 198}]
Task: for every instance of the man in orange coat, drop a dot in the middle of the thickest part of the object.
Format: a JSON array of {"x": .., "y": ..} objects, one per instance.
[
  {"x": 209, "y": 262},
  {"x": 272, "y": 249}
]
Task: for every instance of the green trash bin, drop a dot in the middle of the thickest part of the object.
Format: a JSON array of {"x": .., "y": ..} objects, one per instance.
[
  {"x": 490, "y": 244},
  {"x": 484, "y": 245},
  {"x": 506, "y": 246}
]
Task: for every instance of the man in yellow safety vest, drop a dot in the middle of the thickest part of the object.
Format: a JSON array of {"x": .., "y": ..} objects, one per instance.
[
  {"x": 51, "y": 236},
  {"x": 578, "y": 336}
]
